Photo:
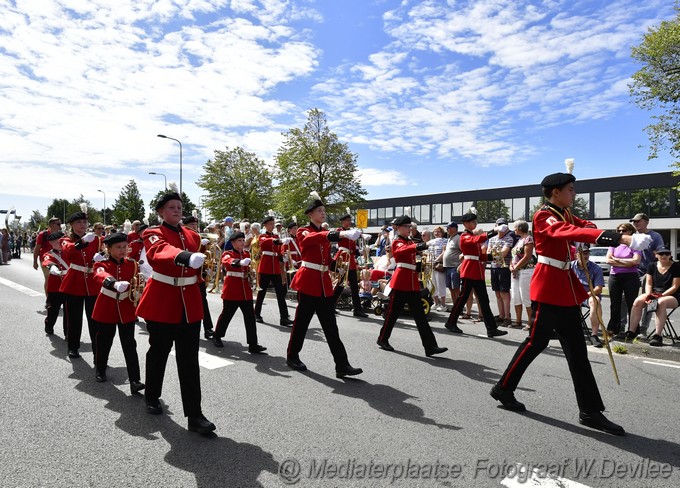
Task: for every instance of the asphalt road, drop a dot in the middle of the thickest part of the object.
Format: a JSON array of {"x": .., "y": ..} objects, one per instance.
[{"x": 408, "y": 420}]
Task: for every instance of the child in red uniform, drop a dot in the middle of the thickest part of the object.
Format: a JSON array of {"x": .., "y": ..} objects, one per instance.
[{"x": 57, "y": 268}]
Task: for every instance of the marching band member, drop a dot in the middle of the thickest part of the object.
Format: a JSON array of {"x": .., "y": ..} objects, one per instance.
[
  {"x": 237, "y": 293},
  {"x": 135, "y": 232},
  {"x": 171, "y": 306},
  {"x": 405, "y": 288},
  {"x": 291, "y": 248},
  {"x": 42, "y": 247},
  {"x": 115, "y": 308},
  {"x": 347, "y": 251},
  {"x": 315, "y": 290},
  {"x": 57, "y": 268},
  {"x": 191, "y": 222},
  {"x": 78, "y": 286},
  {"x": 556, "y": 295},
  {"x": 269, "y": 271}
]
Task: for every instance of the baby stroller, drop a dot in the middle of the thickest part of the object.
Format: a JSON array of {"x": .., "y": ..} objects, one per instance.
[{"x": 380, "y": 301}]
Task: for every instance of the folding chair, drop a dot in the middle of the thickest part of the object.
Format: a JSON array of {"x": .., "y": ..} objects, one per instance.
[
  {"x": 584, "y": 322},
  {"x": 668, "y": 329}
]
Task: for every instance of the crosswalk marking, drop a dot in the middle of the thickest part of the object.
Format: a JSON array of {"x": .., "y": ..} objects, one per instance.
[
  {"x": 21, "y": 288},
  {"x": 208, "y": 361}
]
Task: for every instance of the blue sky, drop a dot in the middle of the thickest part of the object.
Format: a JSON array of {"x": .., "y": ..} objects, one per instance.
[{"x": 433, "y": 96}]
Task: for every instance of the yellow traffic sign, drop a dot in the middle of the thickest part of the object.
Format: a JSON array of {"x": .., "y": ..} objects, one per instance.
[{"x": 362, "y": 218}]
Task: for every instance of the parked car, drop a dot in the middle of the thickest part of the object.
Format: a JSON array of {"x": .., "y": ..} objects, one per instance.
[{"x": 598, "y": 255}]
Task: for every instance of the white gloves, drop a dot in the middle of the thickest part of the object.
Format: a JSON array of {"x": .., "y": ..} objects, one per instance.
[
  {"x": 54, "y": 270},
  {"x": 295, "y": 263},
  {"x": 501, "y": 228},
  {"x": 89, "y": 237},
  {"x": 99, "y": 257},
  {"x": 352, "y": 235},
  {"x": 245, "y": 262},
  {"x": 121, "y": 286},
  {"x": 204, "y": 242},
  {"x": 366, "y": 237},
  {"x": 286, "y": 240},
  {"x": 640, "y": 242},
  {"x": 196, "y": 260}
]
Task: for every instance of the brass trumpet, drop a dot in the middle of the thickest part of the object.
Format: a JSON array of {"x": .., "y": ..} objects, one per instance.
[
  {"x": 137, "y": 284},
  {"x": 212, "y": 266},
  {"x": 341, "y": 274}
]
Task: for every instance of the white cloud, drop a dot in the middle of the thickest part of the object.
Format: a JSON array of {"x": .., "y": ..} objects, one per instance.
[{"x": 379, "y": 177}]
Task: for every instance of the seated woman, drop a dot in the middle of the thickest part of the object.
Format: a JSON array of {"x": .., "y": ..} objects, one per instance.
[{"x": 662, "y": 291}]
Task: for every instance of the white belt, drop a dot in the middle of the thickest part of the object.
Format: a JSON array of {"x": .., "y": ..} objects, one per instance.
[
  {"x": 63, "y": 272},
  {"x": 471, "y": 256},
  {"x": 82, "y": 269},
  {"x": 294, "y": 252},
  {"x": 235, "y": 274},
  {"x": 344, "y": 249},
  {"x": 407, "y": 266},
  {"x": 318, "y": 267},
  {"x": 116, "y": 295},
  {"x": 171, "y": 280},
  {"x": 555, "y": 263},
  {"x": 269, "y": 253}
]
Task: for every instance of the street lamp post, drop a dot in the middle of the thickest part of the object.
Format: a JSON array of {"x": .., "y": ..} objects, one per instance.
[
  {"x": 104, "y": 206},
  {"x": 160, "y": 174},
  {"x": 180, "y": 160}
]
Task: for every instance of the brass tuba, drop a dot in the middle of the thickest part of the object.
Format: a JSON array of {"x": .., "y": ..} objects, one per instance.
[{"x": 137, "y": 284}]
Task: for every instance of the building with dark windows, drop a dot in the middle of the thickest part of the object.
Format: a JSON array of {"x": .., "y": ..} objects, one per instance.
[{"x": 605, "y": 201}]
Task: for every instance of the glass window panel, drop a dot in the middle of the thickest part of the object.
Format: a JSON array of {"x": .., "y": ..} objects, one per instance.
[
  {"x": 535, "y": 203},
  {"x": 389, "y": 213},
  {"x": 619, "y": 205},
  {"x": 437, "y": 213},
  {"x": 381, "y": 214},
  {"x": 457, "y": 209},
  {"x": 639, "y": 202},
  {"x": 446, "y": 212},
  {"x": 506, "y": 208},
  {"x": 581, "y": 207},
  {"x": 373, "y": 216},
  {"x": 518, "y": 208},
  {"x": 659, "y": 202},
  {"x": 465, "y": 207},
  {"x": 398, "y": 211},
  {"x": 425, "y": 214},
  {"x": 415, "y": 213},
  {"x": 601, "y": 210}
]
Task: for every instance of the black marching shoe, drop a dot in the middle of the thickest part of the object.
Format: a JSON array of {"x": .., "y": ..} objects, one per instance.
[
  {"x": 100, "y": 377},
  {"x": 217, "y": 342},
  {"x": 453, "y": 328},
  {"x": 286, "y": 322},
  {"x": 49, "y": 330},
  {"x": 507, "y": 399},
  {"x": 598, "y": 421},
  {"x": 259, "y": 319},
  {"x": 360, "y": 313},
  {"x": 596, "y": 341},
  {"x": 385, "y": 345},
  {"x": 73, "y": 353},
  {"x": 347, "y": 371},
  {"x": 256, "y": 349},
  {"x": 201, "y": 425},
  {"x": 296, "y": 364},
  {"x": 436, "y": 350},
  {"x": 154, "y": 407},
  {"x": 136, "y": 386},
  {"x": 496, "y": 333},
  {"x": 208, "y": 334}
]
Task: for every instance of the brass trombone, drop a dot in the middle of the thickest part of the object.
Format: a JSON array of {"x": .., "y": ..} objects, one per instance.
[{"x": 137, "y": 284}]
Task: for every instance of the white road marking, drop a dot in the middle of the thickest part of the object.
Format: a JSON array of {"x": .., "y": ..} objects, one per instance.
[
  {"x": 22, "y": 289},
  {"x": 208, "y": 361},
  {"x": 661, "y": 364},
  {"x": 538, "y": 479}
]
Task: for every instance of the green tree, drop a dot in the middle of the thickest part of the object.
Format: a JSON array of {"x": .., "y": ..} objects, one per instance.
[
  {"x": 312, "y": 159},
  {"x": 656, "y": 86},
  {"x": 37, "y": 221},
  {"x": 237, "y": 183},
  {"x": 129, "y": 204},
  {"x": 491, "y": 210},
  {"x": 63, "y": 209}
]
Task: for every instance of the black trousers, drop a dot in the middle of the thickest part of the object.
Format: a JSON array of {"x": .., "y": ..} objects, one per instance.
[
  {"x": 324, "y": 308},
  {"x": 207, "y": 319},
  {"x": 265, "y": 281},
  {"x": 55, "y": 300},
  {"x": 229, "y": 308},
  {"x": 394, "y": 308},
  {"x": 565, "y": 321},
  {"x": 104, "y": 340},
  {"x": 74, "y": 318},
  {"x": 621, "y": 285},
  {"x": 185, "y": 338},
  {"x": 467, "y": 285},
  {"x": 353, "y": 286}
]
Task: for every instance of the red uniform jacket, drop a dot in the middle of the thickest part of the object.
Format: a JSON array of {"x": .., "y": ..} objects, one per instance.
[
  {"x": 347, "y": 247},
  {"x": 315, "y": 247},
  {"x": 236, "y": 288},
  {"x": 269, "y": 262},
  {"x": 471, "y": 245},
  {"x": 107, "y": 309},
  {"x": 55, "y": 258},
  {"x": 294, "y": 253},
  {"x": 77, "y": 282},
  {"x": 133, "y": 236},
  {"x": 134, "y": 249},
  {"x": 42, "y": 244},
  {"x": 552, "y": 236},
  {"x": 168, "y": 250},
  {"x": 404, "y": 278}
]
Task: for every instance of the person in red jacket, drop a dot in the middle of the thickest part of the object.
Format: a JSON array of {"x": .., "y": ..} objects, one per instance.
[
  {"x": 171, "y": 306},
  {"x": 237, "y": 293},
  {"x": 115, "y": 308},
  {"x": 42, "y": 247},
  {"x": 472, "y": 271},
  {"x": 57, "y": 268},
  {"x": 191, "y": 222},
  {"x": 78, "y": 286},
  {"x": 291, "y": 248},
  {"x": 315, "y": 290},
  {"x": 405, "y": 288},
  {"x": 556, "y": 295},
  {"x": 347, "y": 251}
]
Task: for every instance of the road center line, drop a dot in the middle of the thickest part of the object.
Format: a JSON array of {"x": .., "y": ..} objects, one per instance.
[
  {"x": 21, "y": 288},
  {"x": 662, "y": 364}
]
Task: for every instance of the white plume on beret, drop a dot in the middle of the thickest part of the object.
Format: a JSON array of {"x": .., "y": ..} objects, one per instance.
[
  {"x": 127, "y": 226},
  {"x": 295, "y": 218},
  {"x": 270, "y": 213},
  {"x": 314, "y": 195},
  {"x": 83, "y": 207},
  {"x": 194, "y": 213},
  {"x": 173, "y": 187},
  {"x": 569, "y": 163},
  {"x": 145, "y": 220},
  {"x": 347, "y": 210},
  {"x": 473, "y": 210}
]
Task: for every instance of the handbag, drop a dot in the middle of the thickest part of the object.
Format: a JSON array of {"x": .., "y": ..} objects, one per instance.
[{"x": 439, "y": 267}]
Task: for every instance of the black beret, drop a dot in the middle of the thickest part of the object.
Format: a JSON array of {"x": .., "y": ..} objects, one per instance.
[
  {"x": 55, "y": 235},
  {"x": 345, "y": 217},
  {"x": 115, "y": 238},
  {"x": 403, "y": 220},
  {"x": 468, "y": 217},
  {"x": 77, "y": 216},
  {"x": 312, "y": 206},
  {"x": 268, "y": 219},
  {"x": 291, "y": 225},
  {"x": 171, "y": 195},
  {"x": 237, "y": 235},
  {"x": 189, "y": 220},
  {"x": 557, "y": 180},
  {"x": 142, "y": 228}
]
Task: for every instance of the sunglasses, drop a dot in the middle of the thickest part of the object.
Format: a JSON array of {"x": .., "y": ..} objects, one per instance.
[{"x": 663, "y": 253}]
